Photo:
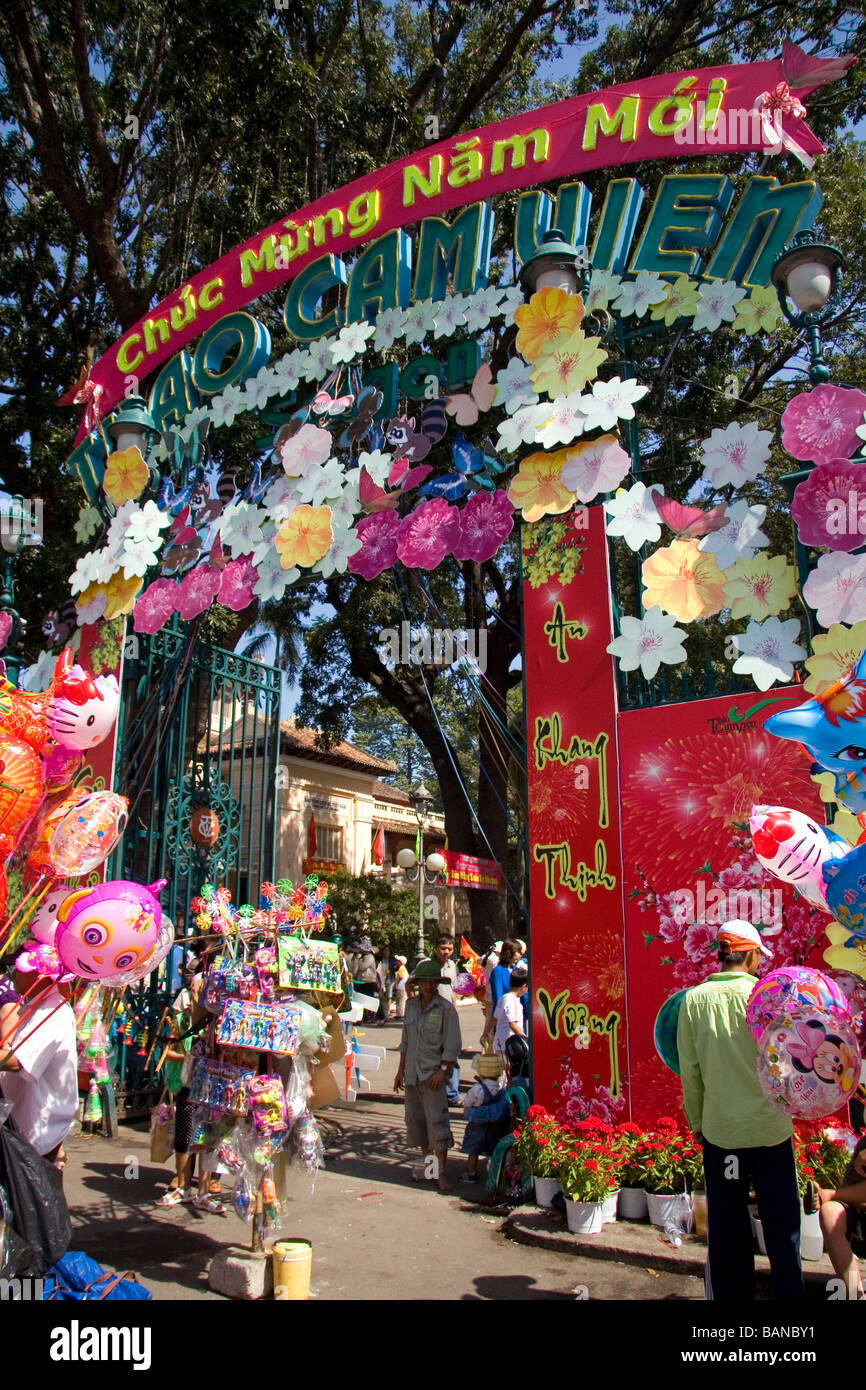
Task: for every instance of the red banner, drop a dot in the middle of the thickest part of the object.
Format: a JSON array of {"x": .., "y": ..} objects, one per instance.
[{"x": 465, "y": 871}]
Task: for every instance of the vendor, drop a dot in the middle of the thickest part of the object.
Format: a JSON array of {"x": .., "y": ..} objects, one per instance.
[{"x": 39, "y": 1063}]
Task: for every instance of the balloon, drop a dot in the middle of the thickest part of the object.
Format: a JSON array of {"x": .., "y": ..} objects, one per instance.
[
  {"x": 110, "y": 929},
  {"x": 794, "y": 988},
  {"x": 83, "y": 711},
  {"x": 808, "y": 1064},
  {"x": 44, "y": 923},
  {"x": 854, "y": 990},
  {"x": 21, "y": 789},
  {"x": 832, "y": 727},
  {"x": 794, "y": 848},
  {"x": 845, "y": 886},
  {"x": 464, "y": 984},
  {"x": 40, "y": 959},
  {"x": 665, "y": 1030},
  {"x": 87, "y": 833},
  {"x": 164, "y": 943}
]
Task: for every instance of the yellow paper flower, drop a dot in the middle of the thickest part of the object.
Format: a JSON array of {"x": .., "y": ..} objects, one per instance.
[
  {"x": 89, "y": 596},
  {"x": 681, "y": 301},
  {"x": 841, "y": 957},
  {"x": 304, "y": 537},
  {"x": 549, "y": 312},
  {"x": 759, "y": 587},
  {"x": 122, "y": 594},
  {"x": 683, "y": 581},
  {"x": 833, "y": 655},
  {"x": 760, "y": 312},
  {"x": 569, "y": 361},
  {"x": 125, "y": 476},
  {"x": 537, "y": 486}
]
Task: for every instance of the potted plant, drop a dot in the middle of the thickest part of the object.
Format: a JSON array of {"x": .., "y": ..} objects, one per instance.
[
  {"x": 587, "y": 1178},
  {"x": 540, "y": 1134},
  {"x": 632, "y": 1204},
  {"x": 664, "y": 1156},
  {"x": 823, "y": 1152}
]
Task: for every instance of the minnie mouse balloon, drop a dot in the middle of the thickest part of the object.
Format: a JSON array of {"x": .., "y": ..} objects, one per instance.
[
  {"x": 854, "y": 990},
  {"x": 86, "y": 834},
  {"x": 794, "y": 848},
  {"x": 794, "y": 989},
  {"x": 110, "y": 929},
  {"x": 808, "y": 1066},
  {"x": 43, "y": 924}
]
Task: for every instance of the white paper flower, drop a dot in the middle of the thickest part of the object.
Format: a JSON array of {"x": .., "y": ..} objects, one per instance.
[
  {"x": 240, "y": 527},
  {"x": 611, "y": 401},
  {"x": 91, "y": 612},
  {"x": 318, "y": 364},
  {"x": 648, "y": 641},
  {"x": 351, "y": 341},
  {"x": 307, "y": 449},
  {"x": 604, "y": 286},
  {"x": 740, "y": 539},
  {"x": 735, "y": 455},
  {"x": 389, "y": 327},
  {"x": 595, "y": 466},
  {"x": 482, "y": 306},
  {"x": 288, "y": 371},
  {"x": 633, "y": 515},
  {"x": 450, "y": 317},
  {"x": 258, "y": 389},
  {"x": 273, "y": 580},
  {"x": 378, "y": 464},
  {"x": 39, "y": 676},
  {"x": 769, "y": 650},
  {"x": 565, "y": 421},
  {"x": 336, "y": 561},
  {"x": 421, "y": 320},
  {"x": 108, "y": 561},
  {"x": 717, "y": 303},
  {"x": 192, "y": 421},
  {"x": 510, "y": 300},
  {"x": 836, "y": 589},
  {"x": 321, "y": 483},
  {"x": 520, "y": 428},
  {"x": 87, "y": 525},
  {"x": 513, "y": 387},
  {"x": 346, "y": 508},
  {"x": 281, "y": 498},
  {"x": 226, "y": 407},
  {"x": 85, "y": 573},
  {"x": 138, "y": 556},
  {"x": 636, "y": 296},
  {"x": 119, "y": 525}
]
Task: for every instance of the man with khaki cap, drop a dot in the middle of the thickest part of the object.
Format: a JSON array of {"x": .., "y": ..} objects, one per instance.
[{"x": 429, "y": 1049}]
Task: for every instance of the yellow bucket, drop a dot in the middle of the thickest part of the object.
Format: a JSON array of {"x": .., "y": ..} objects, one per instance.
[{"x": 293, "y": 1262}]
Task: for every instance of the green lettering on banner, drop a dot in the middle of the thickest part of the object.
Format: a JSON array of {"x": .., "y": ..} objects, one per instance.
[
  {"x": 548, "y": 748},
  {"x": 577, "y": 878},
  {"x": 559, "y": 629}
]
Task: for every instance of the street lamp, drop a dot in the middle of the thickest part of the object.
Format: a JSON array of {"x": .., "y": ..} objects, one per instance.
[
  {"x": 556, "y": 264},
  {"x": 133, "y": 427},
  {"x": 428, "y": 870},
  {"x": 19, "y": 526},
  {"x": 809, "y": 275}
]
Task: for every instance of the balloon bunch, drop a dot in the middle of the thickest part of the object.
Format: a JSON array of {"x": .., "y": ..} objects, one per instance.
[
  {"x": 808, "y": 1048},
  {"x": 795, "y": 849}
]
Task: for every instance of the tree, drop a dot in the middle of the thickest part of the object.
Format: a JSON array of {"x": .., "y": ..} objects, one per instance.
[{"x": 368, "y": 903}]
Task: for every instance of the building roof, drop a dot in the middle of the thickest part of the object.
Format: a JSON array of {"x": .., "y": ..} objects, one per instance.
[
  {"x": 301, "y": 743},
  {"x": 383, "y": 791}
]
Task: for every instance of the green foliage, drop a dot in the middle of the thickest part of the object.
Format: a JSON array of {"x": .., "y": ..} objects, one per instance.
[{"x": 368, "y": 904}]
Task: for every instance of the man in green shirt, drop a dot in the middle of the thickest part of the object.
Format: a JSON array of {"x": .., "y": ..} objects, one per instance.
[
  {"x": 746, "y": 1140},
  {"x": 429, "y": 1051}
]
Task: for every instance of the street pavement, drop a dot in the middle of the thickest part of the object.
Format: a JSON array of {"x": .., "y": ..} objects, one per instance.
[{"x": 375, "y": 1233}]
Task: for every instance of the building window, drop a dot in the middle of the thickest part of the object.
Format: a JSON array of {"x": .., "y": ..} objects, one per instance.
[{"x": 329, "y": 843}]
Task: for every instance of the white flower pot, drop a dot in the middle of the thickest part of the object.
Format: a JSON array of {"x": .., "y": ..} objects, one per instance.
[
  {"x": 811, "y": 1237},
  {"x": 545, "y": 1190},
  {"x": 664, "y": 1209},
  {"x": 584, "y": 1218},
  {"x": 608, "y": 1208},
  {"x": 632, "y": 1204}
]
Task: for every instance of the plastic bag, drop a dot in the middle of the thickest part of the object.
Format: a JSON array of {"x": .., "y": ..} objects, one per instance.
[
  {"x": 161, "y": 1133},
  {"x": 78, "y": 1278},
  {"x": 40, "y": 1216}
]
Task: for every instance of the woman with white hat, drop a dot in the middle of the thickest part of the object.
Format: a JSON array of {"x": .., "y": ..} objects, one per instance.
[{"x": 401, "y": 979}]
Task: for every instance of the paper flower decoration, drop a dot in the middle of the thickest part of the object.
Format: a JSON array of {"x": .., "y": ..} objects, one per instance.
[
  {"x": 740, "y": 538},
  {"x": 258, "y": 389},
  {"x": 378, "y": 464},
  {"x": 760, "y": 313},
  {"x": 271, "y": 579},
  {"x": 238, "y": 584},
  {"x": 86, "y": 572},
  {"x": 841, "y": 957},
  {"x": 125, "y": 475},
  {"x": 379, "y": 535},
  {"x": 317, "y": 362},
  {"x": 421, "y": 320},
  {"x": 680, "y": 301},
  {"x": 351, "y": 341},
  {"x": 735, "y": 455},
  {"x": 594, "y": 466},
  {"x": 759, "y": 586},
  {"x": 522, "y": 427},
  {"x": 346, "y": 543},
  {"x": 564, "y": 423},
  {"x": 306, "y": 449},
  {"x": 604, "y": 286},
  {"x": 769, "y": 650},
  {"x": 88, "y": 523},
  {"x": 197, "y": 591},
  {"x": 551, "y": 313},
  {"x": 240, "y": 527},
  {"x": 513, "y": 386},
  {"x": 227, "y": 406},
  {"x": 633, "y": 516},
  {"x": 288, "y": 371},
  {"x": 452, "y": 312},
  {"x": 389, "y": 327},
  {"x": 717, "y": 301},
  {"x": 821, "y": 425},
  {"x": 120, "y": 596},
  {"x": 836, "y": 589},
  {"x": 304, "y": 537},
  {"x": 683, "y": 581},
  {"x": 537, "y": 486},
  {"x": 829, "y": 506},
  {"x": 568, "y": 363},
  {"x": 611, "y": 401},
  {"x": 636, "y": 296},
  {"x": 647, "y": 642},
  {"x": 90, "y": 606},
  {"x": 320, "y": 484},
  {"x": 5, "y": 629},
  {"x": 481, "y": 308},
  {"x": 834, "y": 654},
  {"x": 485, "y": 522},
  {"x": 428, "y": 534}
]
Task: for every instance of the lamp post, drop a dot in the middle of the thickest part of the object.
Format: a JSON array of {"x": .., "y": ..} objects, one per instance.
[
  {"x": 18, "y": 527},
  {"x": 556, "y": 264},
  {"x": 132, "y": 426},
  {"x": 808, "y": 274},
  {"x": 422, "y": 802}
]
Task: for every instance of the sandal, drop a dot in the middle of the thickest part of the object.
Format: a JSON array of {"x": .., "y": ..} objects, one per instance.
[
  {"x": 811, "y": 1204},
  {"x": 210, "y": 1204},
  {"x": 172, "y": 1198}
]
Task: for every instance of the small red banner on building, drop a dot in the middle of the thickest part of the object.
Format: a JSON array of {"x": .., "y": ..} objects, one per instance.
[
  {"x": 321, "y": 866},
  {"x": 465, "y": 871}
]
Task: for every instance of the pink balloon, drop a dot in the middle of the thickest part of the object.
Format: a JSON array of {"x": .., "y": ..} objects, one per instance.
[
  {"x": 808, "y": 1064},
  {"x": 110, "y": 929},
  {"x": 164, "y": 943},
  {"x": 793, "y": 987}
]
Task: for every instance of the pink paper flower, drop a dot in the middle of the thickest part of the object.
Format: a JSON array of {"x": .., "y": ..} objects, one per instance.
[
  {"x": 828, "y": 505},
  {"x": 836, "y": 589},
  {"x": 594, "y": 466},
  {"x": 821, "y": 425},
  {"x": 428, "y": 534},
  {"x": 379, "y": 535},
  {"x": 5, "y": 629},
  {"x": 485, "y": 521},
  {"x": 236, "y": 589},
  {"x": 197, "y": 591},
  {"x": 156, "y": 605}
]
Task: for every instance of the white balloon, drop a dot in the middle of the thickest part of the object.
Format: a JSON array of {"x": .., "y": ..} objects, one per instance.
[{"x": 794, "y": 848}]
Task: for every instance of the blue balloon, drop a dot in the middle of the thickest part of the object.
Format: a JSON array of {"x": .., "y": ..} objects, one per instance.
[
  {"x": 665, "y": 1030},
  {"x": 845, "y": 882},
  {"x": 832, "y": 727}
]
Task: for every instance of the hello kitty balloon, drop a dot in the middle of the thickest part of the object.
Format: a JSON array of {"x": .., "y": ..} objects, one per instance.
[
  {"x": 44, "y": 923},
  {"x": 110, "y": 929},
  {"x": 83, "y": 711}
]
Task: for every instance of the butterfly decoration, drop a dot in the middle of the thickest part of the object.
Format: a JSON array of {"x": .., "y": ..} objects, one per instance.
[
  {"x": 325, "y": 404},
  {"x": 475, "y": 468},
  {"x": 466, "y": 407},
  {"x": 690, "y": 523},
  {"x": 368, "y": 400},
  {"x": 378, "y": 499}
]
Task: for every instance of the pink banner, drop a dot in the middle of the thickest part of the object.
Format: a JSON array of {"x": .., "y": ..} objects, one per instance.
[
  {"x": 675, "y": 115},
  {"x": 465, "y": 871}
]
